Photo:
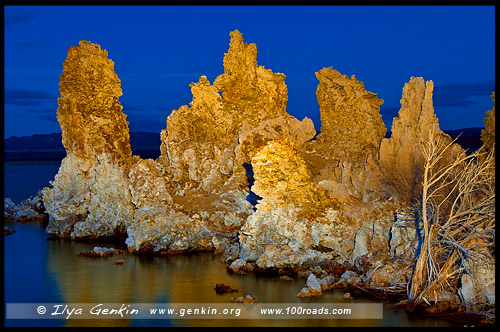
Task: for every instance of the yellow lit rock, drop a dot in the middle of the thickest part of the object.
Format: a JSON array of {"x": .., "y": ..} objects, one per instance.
[
  {"x": 199, "y": 143},
  {"x": 89, "y": 197},
  {"x": 488, "y": 133},
  {"x": 351, "y": 123},
  {"x": 282, "y": 178}
]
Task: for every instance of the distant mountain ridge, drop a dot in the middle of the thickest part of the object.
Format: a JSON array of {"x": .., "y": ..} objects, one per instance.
[
  {"x": 138, "y": 139},
  {"x": 48, "y": 147}
]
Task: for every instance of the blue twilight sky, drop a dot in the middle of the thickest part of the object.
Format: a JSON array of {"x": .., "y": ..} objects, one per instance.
[{"x": 158, "y": 51}]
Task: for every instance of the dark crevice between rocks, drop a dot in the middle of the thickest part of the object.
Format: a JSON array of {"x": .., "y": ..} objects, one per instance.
[{"x": 252, "y": 197}]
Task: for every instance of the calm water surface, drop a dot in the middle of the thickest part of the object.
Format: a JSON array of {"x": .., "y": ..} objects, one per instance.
[{"x": 42, "y": 269}]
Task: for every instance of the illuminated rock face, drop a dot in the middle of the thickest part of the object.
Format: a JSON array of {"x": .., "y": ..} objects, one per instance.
[
  {"x": 298, "y": 133},
  {"x": 342, "y": 199},
  {"x": 351, "y": 123},
  {"x": 280, "y": 234},
  {"x": 401, "y": 156},
  {"x": 199, "y": 143},
  {"x": 282, "y": 178},
  {"x": 205, "y": 159},
  {"x": 488, "y": 133},
  {"x": 299, "y": 224},
  {"x": 89, "y": 112},
  {"x": 89, "y": 197}
]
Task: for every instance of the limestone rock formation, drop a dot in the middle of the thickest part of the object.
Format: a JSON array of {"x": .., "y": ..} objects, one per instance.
[
  {"x": 31, "y": 209},
  {"x": 401, "y": 156},
  {"x": 351, "y": 123},
  {"x": 282, "y": 178},
  {"x": 298, "y": 224},
  {"x": 312, "y": 287},
  {"x": 89, "y": 197},
  {"x": 198, "y": 145},
  {"x": 477, "y": 291},
  {"x": 239, "y": 176},
  {"x": 289, "y": 209},
  {"x": 204, "y": 165},
  {"x": 89, "y": 111},
  {"x": 488, "y": 133},
  {"x": 298, "y": 133},
  {"x": 343, "y": 157},
  {"x": 301, "y": 222}
]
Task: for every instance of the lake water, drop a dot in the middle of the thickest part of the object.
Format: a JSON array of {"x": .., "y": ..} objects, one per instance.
[{"x": 41, "y": 269}]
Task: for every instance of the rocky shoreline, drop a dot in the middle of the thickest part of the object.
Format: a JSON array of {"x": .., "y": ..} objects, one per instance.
[{"x": 239, "y": 176}]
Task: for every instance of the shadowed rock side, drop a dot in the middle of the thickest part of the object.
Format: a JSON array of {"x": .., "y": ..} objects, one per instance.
[
  {"x": 401, "y": 155},
  {"x": 343, "y": 158},
  {"x": 89, "y": 197},
  {"x": 351, "y": 123}
]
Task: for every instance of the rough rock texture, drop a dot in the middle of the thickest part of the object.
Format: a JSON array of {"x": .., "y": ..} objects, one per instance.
[
  {"x": 102, "y": 252},
  {"x": 400, "y": 157},
  {"x": 196, "y": 195},
  {"x": 351, "y": 123},
  {"x": 31, "y": 209},
  {"x": 198, "y": 145},
  {"x": 477, "y": 290},
  {"x": 299, "y": 224},
  {"x": 350, "y": 181},
  {"x": 488, "y": 133},
  {"x": 89, "y": 112},
  {"x": 164, "y": 222},
  {"x": 282, "y": 178},
  {"x": 89, "y": 197},
  {"x": 288, "y": 210},
  {"x": 239, "y": 176},
  {"x": 298, "y": 133},
  {"x": 312, "y": 287}
]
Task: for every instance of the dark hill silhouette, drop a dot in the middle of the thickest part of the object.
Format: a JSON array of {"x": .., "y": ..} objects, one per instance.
[{"x": 48, "y": 147}]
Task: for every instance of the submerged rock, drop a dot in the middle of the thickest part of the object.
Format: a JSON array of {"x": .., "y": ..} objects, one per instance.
[
  {"x": 102, "y": 252},
  {"x": 240, "y": 266},
  {"x": 117, "y": 262},
  {"x": 223, "y": 289},
  {"x": 7, "y": 230},
  {"x": 312, "y": 287},
  {"x": 246, "y": 299}
]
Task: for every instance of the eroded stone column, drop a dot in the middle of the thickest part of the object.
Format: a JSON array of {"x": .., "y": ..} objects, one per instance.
[{"x": 89, "y": 197}]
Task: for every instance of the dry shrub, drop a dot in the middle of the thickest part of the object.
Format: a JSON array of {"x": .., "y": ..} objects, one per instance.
[{"x": 457, "y": 212}]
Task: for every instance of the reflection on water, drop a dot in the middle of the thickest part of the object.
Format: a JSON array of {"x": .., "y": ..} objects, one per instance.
[{"x": 42, "y": 269}]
